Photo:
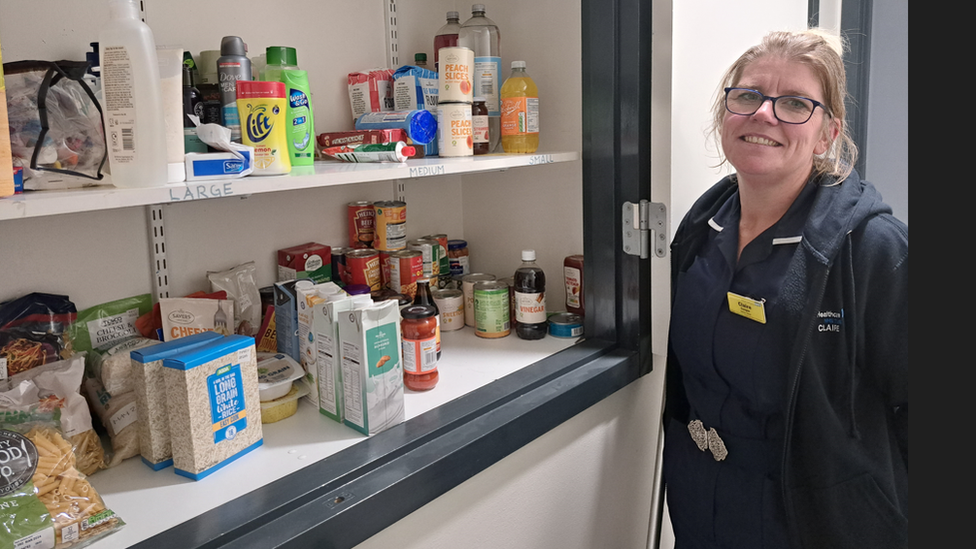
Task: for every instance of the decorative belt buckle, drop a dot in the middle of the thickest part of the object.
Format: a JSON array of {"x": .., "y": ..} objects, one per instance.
[{"x": 707, "y": 440}]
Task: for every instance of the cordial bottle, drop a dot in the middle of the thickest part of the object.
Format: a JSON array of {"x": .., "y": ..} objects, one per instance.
[
  {"x": 447, "y": 36},
  {"x": 530, "y": 298}
]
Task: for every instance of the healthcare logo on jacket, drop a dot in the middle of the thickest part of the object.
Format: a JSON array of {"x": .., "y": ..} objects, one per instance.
[{"x": 830, "y": 321}]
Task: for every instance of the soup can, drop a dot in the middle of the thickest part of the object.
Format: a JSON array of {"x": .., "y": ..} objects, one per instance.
[
  {"x": 444, "y": 277},
  {"x": 363, "y": 266},
  {"x": 361, "y": 216},
  {"x": 455, "y": 77},
  {"x": 390, "y": 225},
  {"x": 491, "y": 307},
  {"x": 430, "y": 250},
  {"x": 406, "y": 268},
  {"x": 467, "y": 288},
  {"x": 454, "y": 131},
  {"x": 565, "y": 324},
  {"x": 450, "y": 303}
]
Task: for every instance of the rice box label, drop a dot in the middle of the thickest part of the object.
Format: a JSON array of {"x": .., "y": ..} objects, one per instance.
[{"x": 227, "y": 409}]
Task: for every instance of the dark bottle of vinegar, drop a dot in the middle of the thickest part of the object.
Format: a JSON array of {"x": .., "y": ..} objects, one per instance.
[{"x": 530, "y": 298}]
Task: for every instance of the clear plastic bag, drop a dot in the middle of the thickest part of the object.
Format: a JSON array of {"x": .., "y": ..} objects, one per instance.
[{"x": 56, "y": 130}]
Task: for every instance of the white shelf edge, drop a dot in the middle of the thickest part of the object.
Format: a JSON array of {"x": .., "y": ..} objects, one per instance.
[{"x": 322, "y": 174}]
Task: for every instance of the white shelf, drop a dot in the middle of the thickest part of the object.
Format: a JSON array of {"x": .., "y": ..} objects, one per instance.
[
  {"x": 322, "y": 174},
  {"x": 150, "y": 502}
]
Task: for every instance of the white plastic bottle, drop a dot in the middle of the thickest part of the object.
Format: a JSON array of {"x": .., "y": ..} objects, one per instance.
[
  {"x": 135, "y": 130},
  {"x": 481, "y": 35}
]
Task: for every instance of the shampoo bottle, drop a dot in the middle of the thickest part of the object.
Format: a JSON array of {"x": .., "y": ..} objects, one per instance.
[
  {"x": 298, "y": 115},
  {"x": 135, "y": 130}
]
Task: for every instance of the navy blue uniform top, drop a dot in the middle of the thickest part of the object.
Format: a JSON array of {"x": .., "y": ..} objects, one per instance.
[{"x": 734, "y": 370}]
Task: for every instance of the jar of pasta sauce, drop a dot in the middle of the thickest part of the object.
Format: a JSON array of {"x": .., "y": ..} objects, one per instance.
[{"x": 418, "y": 329}]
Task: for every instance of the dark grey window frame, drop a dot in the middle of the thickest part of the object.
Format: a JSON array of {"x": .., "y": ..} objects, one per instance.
[{"x": 345, "y": 498}]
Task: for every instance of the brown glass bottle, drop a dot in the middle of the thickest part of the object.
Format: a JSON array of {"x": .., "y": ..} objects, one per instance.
[
  {"x": 479, "y": 126},
  {"x": 530, "y": 298},
  {"x": 426, "y": 297}
]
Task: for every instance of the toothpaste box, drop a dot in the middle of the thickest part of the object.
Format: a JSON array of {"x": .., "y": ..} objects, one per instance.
[
  {"x": 372, "y": 367},
  {"x": 218, "y": 165}
]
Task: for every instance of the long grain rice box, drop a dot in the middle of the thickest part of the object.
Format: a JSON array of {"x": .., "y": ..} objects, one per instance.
[
  {"x": 214, "y": 405},
  {"x": 149, "y": 385}
]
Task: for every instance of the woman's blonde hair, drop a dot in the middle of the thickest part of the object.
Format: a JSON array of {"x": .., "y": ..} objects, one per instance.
[{"x": 822, "y": 51}]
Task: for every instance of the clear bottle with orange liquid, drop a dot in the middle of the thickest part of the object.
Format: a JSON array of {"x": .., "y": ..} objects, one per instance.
[{"x": 520, "y": 112}]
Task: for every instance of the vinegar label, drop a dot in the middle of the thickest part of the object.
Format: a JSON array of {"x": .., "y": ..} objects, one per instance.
[{"x": 530, "y": 308}]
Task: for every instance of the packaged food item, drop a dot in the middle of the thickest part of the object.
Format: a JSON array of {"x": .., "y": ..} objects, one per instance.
[
  {"x": 573, "y": 282},
  {"x": 372, "y": 368},
  {"x": 329, "y": 351},
  {"x": 361, "y": 216},
  {"x": 32, "y": 331},
  {"x": 183, "y": 316},
  {"x": 119, "y": 415},
  {"x": 491, "y": 309},
  {"x": 391, "y": 225},
  {"x": 240, "y": 285},
  {"x": 357, "y": 137},
  {"x": 113, "y": 367},
  {"x": 58, "y": 385},
  {"x": 277, "y": 373},
  {"x": 267, "y": 338},
  {"x": 214, "y": 405},
  {"x": 456, "y": 75},
  {"x": 419, "y": 330},
  {"x": 459, "y": 258},
  {"x": 103, "y": 326},
  {"x": 308, "y": 296},
  {"x": 416, "y": 88},
  {"x": 420, "y": 124},
  {"x": 564, "y": 324},
  {"x": 450, "y": 303},
  {"x": 150, "y": 325},
  {"x": 467, "y": 287},
  {"x": 370, "y": 91},
  {"x": 150, "y": 390},
  {"x": 284, "y": 406},
  {"x": 47, "y": 499},
  {"x": 310, "y": 260}
]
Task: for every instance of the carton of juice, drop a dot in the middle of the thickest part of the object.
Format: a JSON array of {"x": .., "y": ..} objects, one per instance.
[{"x": 372, "y": 367}]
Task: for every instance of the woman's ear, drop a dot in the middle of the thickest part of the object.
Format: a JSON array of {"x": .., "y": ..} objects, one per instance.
[{"x": 830, "y": 133}]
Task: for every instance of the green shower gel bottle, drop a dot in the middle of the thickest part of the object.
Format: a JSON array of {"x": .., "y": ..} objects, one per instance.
[{"x": 301, "y": 129}]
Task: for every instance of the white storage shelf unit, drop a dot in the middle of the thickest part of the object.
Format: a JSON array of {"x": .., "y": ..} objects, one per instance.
[{"x": 92, "y": 244}]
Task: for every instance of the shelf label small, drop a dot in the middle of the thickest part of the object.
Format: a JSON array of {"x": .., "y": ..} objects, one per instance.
[
  {"x": 540, "y": 159},
  {"x": 201, "y": 191},
  {"x": 422, "y": 171}
]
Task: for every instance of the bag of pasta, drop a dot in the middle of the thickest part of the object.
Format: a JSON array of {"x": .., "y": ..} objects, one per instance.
[
  {"x": 45, "y": 501},
  {"x": 58, "y": 385}
]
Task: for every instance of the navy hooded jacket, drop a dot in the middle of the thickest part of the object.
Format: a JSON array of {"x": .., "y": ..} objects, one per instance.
[{"x": 845, "y": 455}]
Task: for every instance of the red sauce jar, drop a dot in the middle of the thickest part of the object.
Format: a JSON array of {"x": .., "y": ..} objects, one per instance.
[{"x": 418, "y": 330}]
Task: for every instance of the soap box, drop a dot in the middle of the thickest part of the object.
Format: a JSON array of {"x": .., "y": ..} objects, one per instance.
[
  {"x": 150, "y": 388},
  {"x": 214, "y": 405},
  {"x": 218, "y": 165},
  {"x": 372, "y": 368}
]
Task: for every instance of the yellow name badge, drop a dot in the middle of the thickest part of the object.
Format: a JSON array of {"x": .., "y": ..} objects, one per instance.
[{"x": 748, "y": 307}]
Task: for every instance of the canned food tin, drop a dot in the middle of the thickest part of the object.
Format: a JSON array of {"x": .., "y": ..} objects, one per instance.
[
  {"x": 454, "y": 132},
  {"x": 390, "y": 225},
  {"x": 430, "y": 249},
  {"x": 491, "y": 308},
  {"x": 467, "y": 288},
  {"x": 444, "y": 277},
  {"x": 450, "y": 303},
  {"x": 363, "y": 266},
  {"x": 565, "y": 325},
  {"x": 361, "y": 224},
  {"x": 406, "y": 268},
  {"x": 457, "y": 251},
  {"x": 384, "y": 268},
  {"x": 455, "y": 77}
]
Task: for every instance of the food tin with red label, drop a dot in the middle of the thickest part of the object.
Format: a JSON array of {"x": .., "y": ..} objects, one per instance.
[
  {"x": 406, "y": 268},
  {"x": 361, "y": 224},
  {"x": 363, "y": 266},
  {"x": 390, "y": 229}
]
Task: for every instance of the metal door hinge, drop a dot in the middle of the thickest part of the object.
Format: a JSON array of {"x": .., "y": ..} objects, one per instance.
[{"x": 639, "y": 220}]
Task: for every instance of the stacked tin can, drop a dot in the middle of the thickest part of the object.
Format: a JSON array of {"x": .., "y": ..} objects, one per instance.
[{"x": 455, "y": 96}]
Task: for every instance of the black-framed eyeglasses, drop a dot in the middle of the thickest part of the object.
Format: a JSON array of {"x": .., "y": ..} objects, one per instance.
[{"x": 791, "y": 109}]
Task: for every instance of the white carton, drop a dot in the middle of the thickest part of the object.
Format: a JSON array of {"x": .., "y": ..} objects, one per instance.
[
  {"x": 307, "y": 297},
  {"x": 329, "y": 359},
  {"x": 372, "y": 367}
]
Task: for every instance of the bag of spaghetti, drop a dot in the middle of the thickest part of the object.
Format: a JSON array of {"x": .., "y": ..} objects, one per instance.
[
  {"x": 45, "y": 501},
  {"x": 58, "y": 386}
]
